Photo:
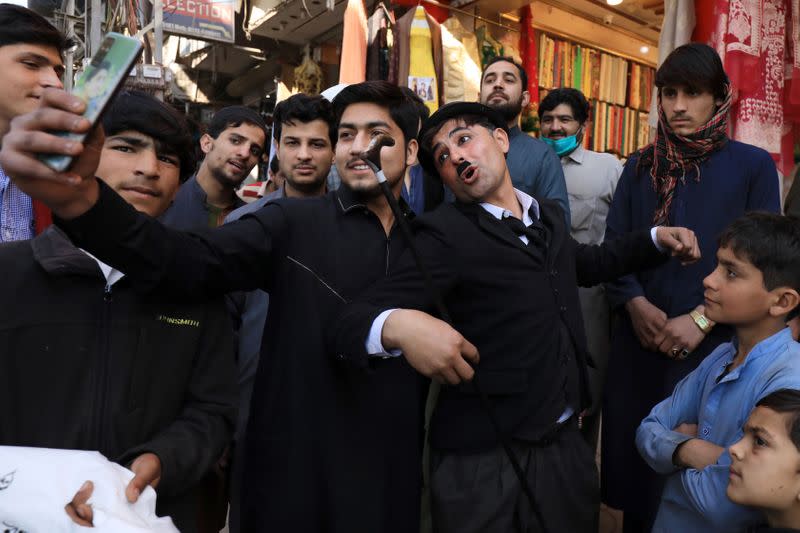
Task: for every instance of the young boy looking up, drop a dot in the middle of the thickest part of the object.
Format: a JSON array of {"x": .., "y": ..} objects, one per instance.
[
  {"x": 754, "y": 288},
  {"x": 765, "y": 472}
]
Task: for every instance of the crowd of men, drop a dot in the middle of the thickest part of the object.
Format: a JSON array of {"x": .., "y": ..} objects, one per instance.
[{"x": 273, "y": 361}]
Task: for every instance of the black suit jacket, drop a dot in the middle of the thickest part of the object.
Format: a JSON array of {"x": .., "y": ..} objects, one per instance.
[{"x": 509, "y": 305}]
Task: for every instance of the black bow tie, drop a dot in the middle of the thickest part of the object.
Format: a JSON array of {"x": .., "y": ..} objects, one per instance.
[{"x": 536, "y": 232}]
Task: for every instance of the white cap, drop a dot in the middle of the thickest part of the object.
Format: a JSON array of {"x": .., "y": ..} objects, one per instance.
[{"x": 330, "y": 93}]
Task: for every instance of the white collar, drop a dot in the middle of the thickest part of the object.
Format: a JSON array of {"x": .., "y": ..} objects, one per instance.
[
  {"x": 111, "y": 274},
  {"x": 527, "y": 202}
]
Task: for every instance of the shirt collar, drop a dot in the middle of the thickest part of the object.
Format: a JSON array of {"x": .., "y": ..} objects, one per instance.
[
  {"x": 111, "y": 274},
  {"x": 767, "y": 347},
  {"x": 513, "y": 132},
  {"x": 577, "y": 154},
  {"x": 527, "y": 202}
]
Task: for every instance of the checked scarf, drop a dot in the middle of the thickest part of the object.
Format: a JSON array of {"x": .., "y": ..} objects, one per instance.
[{"x": 670, "y": 155}]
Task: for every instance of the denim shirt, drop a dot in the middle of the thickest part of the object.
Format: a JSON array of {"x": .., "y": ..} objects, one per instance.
[
  {"x": 16, "y": 212},
  {"x": 695, "y": 500}
]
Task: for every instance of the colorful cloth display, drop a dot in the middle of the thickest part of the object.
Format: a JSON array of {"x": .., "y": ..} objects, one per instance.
[
  {"x": 353, "y": 65},
  {"x": 759, "y": 43},
  {"x": 422, "y": 78}
]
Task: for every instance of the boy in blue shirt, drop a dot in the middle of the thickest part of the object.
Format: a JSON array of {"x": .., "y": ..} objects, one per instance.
[
  {"x": 755, "y": 289},
  {"x": 765, "y": 473}
]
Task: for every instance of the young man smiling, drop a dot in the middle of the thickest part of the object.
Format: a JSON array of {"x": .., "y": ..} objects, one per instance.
[
  {"x": 147, "y": 381},
  {"x": 30, "y": 60},
  {"x": 236, "y": 139},
  {"x": 332, "y": 444}
]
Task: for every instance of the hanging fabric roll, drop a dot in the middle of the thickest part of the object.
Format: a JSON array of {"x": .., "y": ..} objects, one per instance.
[
  {"x": 425, "y": 58},
  {"x": 422, "y": 76},
  {"x": 470, "y": 60},
  {"x": 353, "y": 65},
  {"x": 379, "y": 42}
]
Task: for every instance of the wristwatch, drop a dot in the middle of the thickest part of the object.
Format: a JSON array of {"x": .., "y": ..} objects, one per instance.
[{"x": 701, "y": 321}]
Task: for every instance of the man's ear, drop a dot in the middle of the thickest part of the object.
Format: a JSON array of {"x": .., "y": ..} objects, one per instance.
[
  {"x": 501, "y": 138},
  {"x": 526, "y": 99},
  {"x": 206, "y": 143},
  {"x": 411, "y": 152},
  {"x": 787, "y": 300}
]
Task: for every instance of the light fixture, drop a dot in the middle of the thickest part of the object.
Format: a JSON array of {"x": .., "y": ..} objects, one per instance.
[
  {"x": 644, "y": 49},
  {"x": 613, "y": 2}
]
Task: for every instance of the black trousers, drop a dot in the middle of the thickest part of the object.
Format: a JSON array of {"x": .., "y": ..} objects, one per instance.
[{"x": 480, "y": 492}]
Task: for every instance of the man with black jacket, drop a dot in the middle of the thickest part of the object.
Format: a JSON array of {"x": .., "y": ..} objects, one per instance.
[
  {"x": 90, "y": 363},
  {"x": 507, "y": 269},
  {"x": 330, "y": 446}
]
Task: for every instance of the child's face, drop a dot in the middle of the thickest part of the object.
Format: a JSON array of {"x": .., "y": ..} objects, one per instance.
[
  {"x": 765, "y": 472},
  {"x": 735, "y": 293}
]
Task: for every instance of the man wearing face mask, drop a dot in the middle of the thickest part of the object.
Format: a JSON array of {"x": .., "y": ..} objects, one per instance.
[{"x": 591, "y": 179}]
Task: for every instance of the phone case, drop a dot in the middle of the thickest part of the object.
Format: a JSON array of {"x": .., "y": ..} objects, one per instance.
[{"x": 97, "y": 85}]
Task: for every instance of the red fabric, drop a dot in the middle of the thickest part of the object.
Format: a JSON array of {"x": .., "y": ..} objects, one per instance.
[
  {"x": 759, "y": 42},
  {"x": 42, "y": 217},
  {"x": 437, "y": 12},
  {"x": 527, "y": 50}
]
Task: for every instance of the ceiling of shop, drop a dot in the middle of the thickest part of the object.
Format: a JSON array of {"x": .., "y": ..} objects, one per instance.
[{"x": 300, "y": 21}]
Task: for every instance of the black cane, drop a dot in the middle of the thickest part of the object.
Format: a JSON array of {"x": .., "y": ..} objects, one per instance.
[{"x": 372, "y": 157}]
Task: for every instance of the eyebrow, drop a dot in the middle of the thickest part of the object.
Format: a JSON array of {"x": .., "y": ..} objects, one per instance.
[
  {"x": 59, "y": 67},
  {"x": 759, "y": 430},
  {"x": 449, "y": 135},
  {"x": 133, "y": 141},
  {"x": 368, "y": 125},
  {"x": 729, "y": 263},
  {"x": 311, "y": 139}
]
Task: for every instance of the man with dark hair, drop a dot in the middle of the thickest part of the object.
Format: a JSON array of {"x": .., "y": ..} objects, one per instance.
[
  {"x": 520, "y": 312},
  {"x": 692, "y": 175},
  {"x": 30, "y": 60},
  {"x": 753, "y": 289},
  {"x": 147, "y": 381},
  {"x": 591, "y": 180},
  {"x": 304, "y": 130},
  {"x": 233, "y": 145},
  {"x": 534, "y": 168},
  {"x": 332, "y": 444}
]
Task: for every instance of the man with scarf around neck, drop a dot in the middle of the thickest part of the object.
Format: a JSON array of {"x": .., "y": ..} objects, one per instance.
[{"x": 692, "y": 175}]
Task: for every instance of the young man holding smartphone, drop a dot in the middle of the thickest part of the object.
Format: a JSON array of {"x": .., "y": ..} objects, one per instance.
[{"x": 92, "y": 364}]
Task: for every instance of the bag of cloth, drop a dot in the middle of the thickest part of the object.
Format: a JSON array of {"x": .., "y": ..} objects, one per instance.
[{"x": 36, "y": 484}]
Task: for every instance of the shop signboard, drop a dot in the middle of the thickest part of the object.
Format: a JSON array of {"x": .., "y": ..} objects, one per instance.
[{"x": 210, "y": 20}]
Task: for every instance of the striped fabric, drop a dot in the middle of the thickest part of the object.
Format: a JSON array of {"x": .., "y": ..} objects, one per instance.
[{"x": 671, "y": 155}]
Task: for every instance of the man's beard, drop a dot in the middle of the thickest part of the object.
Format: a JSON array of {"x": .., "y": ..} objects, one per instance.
[
  {"x": 227, "y": 181},
  {"x": 509, "y": 111},
  {"x": 307, "y": 187}
]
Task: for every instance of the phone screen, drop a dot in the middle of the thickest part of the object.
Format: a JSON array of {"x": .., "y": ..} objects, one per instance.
[{"x": 98, "y": 84}]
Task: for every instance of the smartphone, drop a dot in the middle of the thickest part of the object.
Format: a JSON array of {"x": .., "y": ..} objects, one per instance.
[{"x": 97, "y": 85}]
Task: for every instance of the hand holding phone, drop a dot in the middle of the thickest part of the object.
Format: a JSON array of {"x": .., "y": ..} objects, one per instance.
[{"x": 97, "y": 85}]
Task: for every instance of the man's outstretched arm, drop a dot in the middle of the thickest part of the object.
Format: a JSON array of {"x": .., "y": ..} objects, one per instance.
[{"x": 236, "y": 256}]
